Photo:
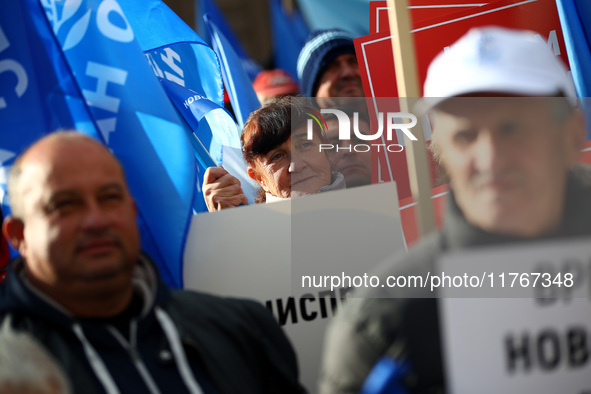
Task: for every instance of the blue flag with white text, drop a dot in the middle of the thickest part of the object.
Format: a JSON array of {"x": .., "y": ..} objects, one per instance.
[
  {"x": 238, "y": 85},
  {"x": 84, "y": 69},
  {"x": 173, "y": 49},
  {"x": 211, "y": 126}
]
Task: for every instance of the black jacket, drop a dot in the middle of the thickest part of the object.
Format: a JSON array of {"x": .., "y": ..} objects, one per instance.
[
  {"x": 229, "y": 345},
  {"x": 403, "y": 323}
]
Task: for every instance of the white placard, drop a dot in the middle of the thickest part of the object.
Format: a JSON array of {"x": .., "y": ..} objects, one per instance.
[
  {"x": 537, "y": 343},
  {"x": 247, "y": 252}
]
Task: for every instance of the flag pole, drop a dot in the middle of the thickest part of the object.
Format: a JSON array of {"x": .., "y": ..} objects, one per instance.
[{"x": 408, "y": 89}]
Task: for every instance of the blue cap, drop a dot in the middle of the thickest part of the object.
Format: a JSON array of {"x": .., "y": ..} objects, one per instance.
[{"x": 321, "y": 48}]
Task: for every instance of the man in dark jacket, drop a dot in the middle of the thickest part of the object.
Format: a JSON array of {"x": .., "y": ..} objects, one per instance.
[
  {"x": 513, "y": 178},
  {"x": 85, "y": 291}
]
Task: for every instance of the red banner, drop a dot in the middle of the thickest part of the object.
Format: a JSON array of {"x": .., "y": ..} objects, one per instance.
[
  {"x": 420, "y": 10},
  {"x": 437, "y": 24}
]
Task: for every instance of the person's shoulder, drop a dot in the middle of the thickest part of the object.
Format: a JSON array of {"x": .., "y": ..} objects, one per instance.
[
  {"x": 379, "y": 304},
  {"x": 376, "y": 312},
  {"x": 205, "y": 302},
  {"x": 210, "y": 308},
  {"x": 582, "y": 174},
  {"x": 242, "y": 327},
  {"x": 374, "y": 319}
]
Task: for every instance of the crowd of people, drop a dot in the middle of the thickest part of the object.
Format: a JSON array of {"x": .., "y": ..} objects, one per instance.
[{"x": 505, "y": 130}]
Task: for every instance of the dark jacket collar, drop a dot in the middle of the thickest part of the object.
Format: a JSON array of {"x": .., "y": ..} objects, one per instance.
[{"x": 18, "y": 295}]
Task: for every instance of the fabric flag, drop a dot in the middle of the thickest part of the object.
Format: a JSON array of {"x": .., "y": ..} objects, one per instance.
[
  {"x": 289, "y": 36},
  {"x": 238, "y": 85},
  {"x": 77, "y": 65},
  {"x": 211, "y": 124},
  {"x": 209, "y": 7},
  {"x": 179, "y": 56},
  {"x": 349, "y": 15},
  {"x": 45, "y": 91},
  {"x": 213, "y": 129},
  {"x": 173, "y": 49},
  {"x": 575, "y": 19}
]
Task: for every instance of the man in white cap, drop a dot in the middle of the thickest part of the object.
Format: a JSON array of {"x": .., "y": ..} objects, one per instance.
[{"x": 507, "y": 134}]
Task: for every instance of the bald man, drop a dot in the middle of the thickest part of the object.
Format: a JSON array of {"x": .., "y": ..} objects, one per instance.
[{"x": 84, "y": 289}]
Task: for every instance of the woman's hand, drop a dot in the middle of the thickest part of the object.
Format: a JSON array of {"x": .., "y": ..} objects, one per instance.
[{"x": 222, "y": 190}]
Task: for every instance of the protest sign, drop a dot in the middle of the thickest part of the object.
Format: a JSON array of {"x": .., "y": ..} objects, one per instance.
[
  {"x": 376, "y": 64},
  {"x": 419, "y": 9},
  {"x": 535, "y": 343},
  {"x": 263, "y": 252}
]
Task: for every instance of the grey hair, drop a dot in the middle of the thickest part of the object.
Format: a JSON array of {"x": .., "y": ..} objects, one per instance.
[{"x": 25, "y": 364}]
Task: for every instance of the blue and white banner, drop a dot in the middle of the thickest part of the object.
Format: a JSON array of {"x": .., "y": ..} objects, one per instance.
[
  {"x": 35, "y": 87},
  {"x": 76, "y": 64},
  {"x": 211, "y": 126},
  {"x": 173, "y": 49}
]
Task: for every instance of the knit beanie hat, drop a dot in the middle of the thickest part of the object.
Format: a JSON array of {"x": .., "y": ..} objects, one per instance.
[{"x": 321, "y": 48}]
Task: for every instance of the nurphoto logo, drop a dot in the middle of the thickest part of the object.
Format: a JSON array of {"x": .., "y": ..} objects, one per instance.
[{"x": 392, "y": 120}]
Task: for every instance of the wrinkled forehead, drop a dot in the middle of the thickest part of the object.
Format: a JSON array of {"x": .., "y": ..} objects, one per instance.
[{"x": 67, "y": 165}]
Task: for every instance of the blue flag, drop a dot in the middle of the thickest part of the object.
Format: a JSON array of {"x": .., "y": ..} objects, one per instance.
[
  {"x": 238, "y": 85},
  {"x": 575, "y": 19},
  {"x": 37, "y": 94},
  {"x": 173, "y": 49},
  {"x": 84, "y": 54},
  {"x": 211, "y": 126},
  {"x": 289, "y": 36},
  {"x": 209, "y": 7}
]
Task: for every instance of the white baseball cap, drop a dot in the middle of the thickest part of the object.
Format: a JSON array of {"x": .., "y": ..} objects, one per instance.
[{"x": 500, "y": 60}]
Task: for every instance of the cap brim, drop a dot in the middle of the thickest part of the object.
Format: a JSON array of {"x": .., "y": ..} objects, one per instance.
[{"x": 498, "y": 82}]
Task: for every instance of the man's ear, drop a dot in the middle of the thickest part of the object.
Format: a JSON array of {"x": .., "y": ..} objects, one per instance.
[
  {"x": 13, "y": 230},
  {"x": 257, "y": 177}
]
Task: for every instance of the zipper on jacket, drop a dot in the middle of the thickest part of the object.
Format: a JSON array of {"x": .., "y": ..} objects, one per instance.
[{"x": 134, "y": 355}]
